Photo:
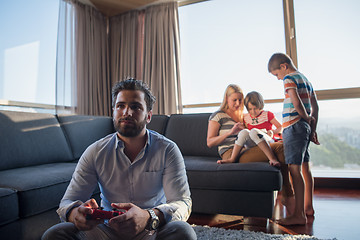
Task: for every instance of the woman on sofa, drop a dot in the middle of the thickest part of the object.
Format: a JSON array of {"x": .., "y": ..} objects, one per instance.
[{"x": 227, "y": 122}]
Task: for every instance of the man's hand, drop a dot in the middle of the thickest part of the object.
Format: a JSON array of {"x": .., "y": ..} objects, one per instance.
[
  {"x": 130, "y": 223},
  {"x": 78, "y": 216}
]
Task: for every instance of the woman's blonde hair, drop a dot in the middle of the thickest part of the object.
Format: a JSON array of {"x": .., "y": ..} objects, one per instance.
[{"x": 230, "y": 89}]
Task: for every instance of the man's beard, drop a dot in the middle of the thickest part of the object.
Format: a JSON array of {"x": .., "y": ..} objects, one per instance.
[{"x": 129, "y": 130}]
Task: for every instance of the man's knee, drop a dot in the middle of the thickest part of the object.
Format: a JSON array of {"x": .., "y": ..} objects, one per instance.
[
  {"x": 177, "y": 230},
  {"x": 64, "y": 230}
]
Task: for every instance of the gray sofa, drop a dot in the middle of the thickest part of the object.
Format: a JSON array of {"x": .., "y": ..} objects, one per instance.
[{"x": 39, "y": 152}]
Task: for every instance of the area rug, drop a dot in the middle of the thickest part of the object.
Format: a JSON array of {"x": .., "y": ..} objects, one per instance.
[{"x": 206, "y": 233}]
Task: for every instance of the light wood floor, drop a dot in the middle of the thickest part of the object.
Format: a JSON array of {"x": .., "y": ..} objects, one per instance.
[{"x": 337, "y": 215}]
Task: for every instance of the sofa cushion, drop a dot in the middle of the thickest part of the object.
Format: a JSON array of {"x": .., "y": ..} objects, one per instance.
[
  {"x": 39, "y": 188},
  {"x": 158, "y": 123},
  {"x": 205, "y": 173},
  {"x": 189, "y": 132},
  {"x": 9, "y": 210},
  {"x": 29, "y": 139},
  {"x": 82, "y": 130}
]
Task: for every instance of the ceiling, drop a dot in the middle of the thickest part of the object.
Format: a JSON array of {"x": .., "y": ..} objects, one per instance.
[{"x": 115, "y": 7}]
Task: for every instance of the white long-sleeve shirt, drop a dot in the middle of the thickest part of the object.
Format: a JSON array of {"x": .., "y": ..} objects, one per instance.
[{"x": 155, "y": 179}]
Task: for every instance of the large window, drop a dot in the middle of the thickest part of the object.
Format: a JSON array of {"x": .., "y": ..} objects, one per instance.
[
  {"x": 328, "y": 36},
  {"x": 28, "y": 51},
  {"x": 339, "y": 135},
  {"x": 230, "y": 41}
]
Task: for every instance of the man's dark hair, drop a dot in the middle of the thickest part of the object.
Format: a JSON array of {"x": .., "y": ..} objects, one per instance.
[{"x": 133, "y": 84}]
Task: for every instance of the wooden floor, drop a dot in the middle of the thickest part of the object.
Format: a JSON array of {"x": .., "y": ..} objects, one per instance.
[{"x": 337, "y": 215}]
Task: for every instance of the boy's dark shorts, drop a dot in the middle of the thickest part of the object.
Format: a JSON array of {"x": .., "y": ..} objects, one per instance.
[{"x": 296, "y": 143}]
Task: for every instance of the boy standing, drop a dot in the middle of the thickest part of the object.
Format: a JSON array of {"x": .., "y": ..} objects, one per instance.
[{"x": 300, "y": 116}]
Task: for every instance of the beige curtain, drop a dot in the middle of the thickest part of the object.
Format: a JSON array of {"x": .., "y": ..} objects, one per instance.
[
  {"x": 65, "y": 100},
  {"x": 83, "y": 83},
  {"x": 93, "y": 82},
  {"x": 145, "y": 45},
  {"x": 140, "y": 44},
  {"x": 162, "y": 56},
  {"x": 125, "y": 44}
]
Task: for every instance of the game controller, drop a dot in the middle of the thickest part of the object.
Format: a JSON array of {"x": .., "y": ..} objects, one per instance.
[{"x": 102, "y": 214}]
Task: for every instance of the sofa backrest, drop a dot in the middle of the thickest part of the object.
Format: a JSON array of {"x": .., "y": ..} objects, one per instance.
[
  {"x": 158, "y": 123},
  {"x": 81, "y": 130},
  {"x": 29, "y": 139},
  {"x": 189, "y": 132}
]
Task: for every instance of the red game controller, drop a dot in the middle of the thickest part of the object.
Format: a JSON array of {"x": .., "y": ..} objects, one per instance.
[{"x": 102, "y": 214}]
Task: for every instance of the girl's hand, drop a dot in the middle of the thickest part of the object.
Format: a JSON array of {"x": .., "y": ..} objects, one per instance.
[{"x": 270, "y": 133}]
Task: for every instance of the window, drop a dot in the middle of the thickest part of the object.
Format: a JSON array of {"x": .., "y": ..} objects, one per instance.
[
  {"x": 328, "y": 36},
  {"x": 339, "y": 135},
  {"x": 229, "y": 41},
  {"x": 28, "y": 51}
]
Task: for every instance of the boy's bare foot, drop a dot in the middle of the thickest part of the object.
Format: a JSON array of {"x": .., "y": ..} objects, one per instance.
[
  {"x": 275, "y": 163},
  {"x": 225, "y": 161},
  {"x": 289, "y": 203},
  {"x": 292, "y": 220}
]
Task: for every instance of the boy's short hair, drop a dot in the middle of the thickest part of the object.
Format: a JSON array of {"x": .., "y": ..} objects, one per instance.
[
  {"x": 133, "y": 84},
  {"x": 277, "y": 59},
  {"x": 255, "y": 99}
]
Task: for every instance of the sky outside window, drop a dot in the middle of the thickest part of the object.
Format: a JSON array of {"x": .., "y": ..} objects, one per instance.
[
  {"x": 229, "y": 41},
  {"x": 28, "y": 50}
]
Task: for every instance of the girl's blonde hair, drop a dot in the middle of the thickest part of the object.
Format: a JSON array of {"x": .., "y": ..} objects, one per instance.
[{"x": 230, "y": 89}]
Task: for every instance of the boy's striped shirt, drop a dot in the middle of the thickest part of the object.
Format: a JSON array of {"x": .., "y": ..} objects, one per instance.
[{"x": 305, "y": 90}]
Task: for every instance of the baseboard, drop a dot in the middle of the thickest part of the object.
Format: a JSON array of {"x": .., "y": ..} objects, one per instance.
[{"x": 343, "y": 183}]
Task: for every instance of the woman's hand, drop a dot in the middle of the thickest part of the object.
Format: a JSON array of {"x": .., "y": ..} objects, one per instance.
[
  {"x": 213, "y": 137},
  {"x": 236, "y": 128}
]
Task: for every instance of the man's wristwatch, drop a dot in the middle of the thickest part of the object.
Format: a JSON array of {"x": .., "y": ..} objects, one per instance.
[{"x": 153, "y": 221}]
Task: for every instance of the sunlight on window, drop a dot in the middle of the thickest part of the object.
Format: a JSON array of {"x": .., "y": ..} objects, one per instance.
[
  {"x": 339, "y": 136},
  {"x": 28, "y": 50},
  {"x": 328, "y": 36},
  {"x": 229, "y": 41},
  {"x": 21, "y": 63}
]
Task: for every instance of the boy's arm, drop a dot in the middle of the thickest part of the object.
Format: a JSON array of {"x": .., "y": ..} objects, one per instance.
[
  {"x": 277, "y": 124},
  {"x": 315, "y": 115},
  {"x": 314, "y": 111},
  {"x": 298, "y": 105}
]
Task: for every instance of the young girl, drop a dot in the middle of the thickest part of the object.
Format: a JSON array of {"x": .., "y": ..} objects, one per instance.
[{"x": 259, "y": 130}]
